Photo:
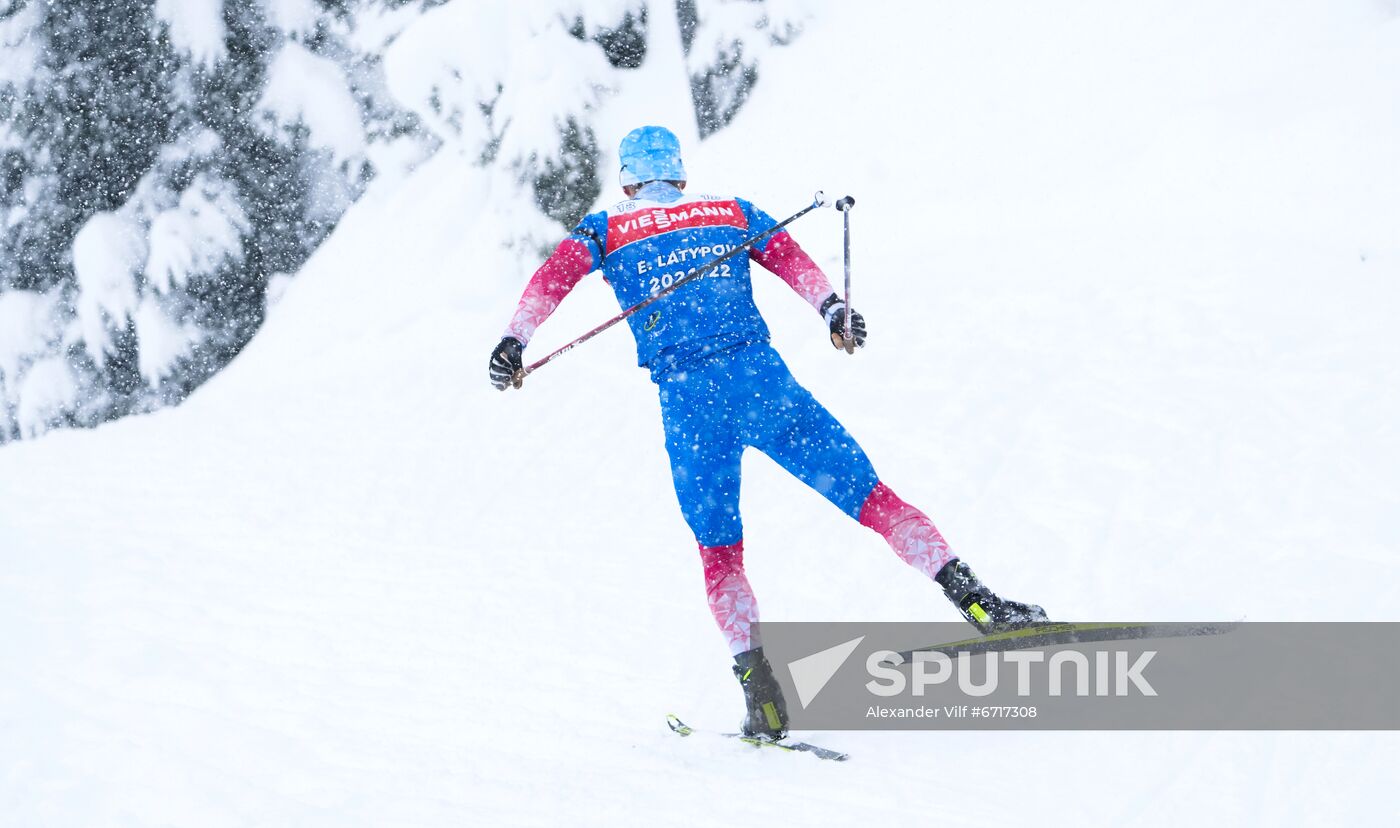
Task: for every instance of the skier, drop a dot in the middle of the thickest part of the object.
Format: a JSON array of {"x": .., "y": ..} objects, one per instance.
[{"x": 723, "y": 388}]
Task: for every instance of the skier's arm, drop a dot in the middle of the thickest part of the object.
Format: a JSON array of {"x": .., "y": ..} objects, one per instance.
[
  {"x": 571, "y": 261},
  {"x": 575, "y": 257},
  {"x": 789, "y": 262},
  {"x": 781, "y": 254}
]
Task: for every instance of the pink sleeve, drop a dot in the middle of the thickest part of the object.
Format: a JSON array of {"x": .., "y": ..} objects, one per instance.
[
  {"x": 783, "y": 256},
  {"x": 548, "y": 287}
]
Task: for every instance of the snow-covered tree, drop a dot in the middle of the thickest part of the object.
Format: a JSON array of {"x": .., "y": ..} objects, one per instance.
[
  {"x": 162, "y": 159},
  {"x": 724, "y": 42}
]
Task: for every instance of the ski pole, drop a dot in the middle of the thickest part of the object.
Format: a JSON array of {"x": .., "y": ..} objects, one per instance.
[
  {"x": 818, "y": 200},
  {"x": 847, "y": 338}
]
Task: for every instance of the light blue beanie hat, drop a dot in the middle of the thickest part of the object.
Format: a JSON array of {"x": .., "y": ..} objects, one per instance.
[{"x": 650, "y": 153}]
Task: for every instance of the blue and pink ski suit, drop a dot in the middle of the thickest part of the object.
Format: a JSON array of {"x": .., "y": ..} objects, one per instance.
[{"x": 722, "y": 387}]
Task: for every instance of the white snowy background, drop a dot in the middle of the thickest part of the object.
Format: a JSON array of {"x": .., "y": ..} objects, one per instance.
[{"x": 1131, "y": 272}]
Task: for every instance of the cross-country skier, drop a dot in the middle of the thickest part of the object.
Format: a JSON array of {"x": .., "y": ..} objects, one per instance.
[{"x": 723, "y": 388}]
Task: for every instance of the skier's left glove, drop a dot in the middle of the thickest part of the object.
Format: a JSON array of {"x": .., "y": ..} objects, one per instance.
[
  {"x": 507, "y": 365},
  {"x": 834, "y": 312}
]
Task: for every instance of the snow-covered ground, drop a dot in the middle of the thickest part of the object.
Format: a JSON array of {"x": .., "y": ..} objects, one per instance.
[{"x": 1131, "y": 276}]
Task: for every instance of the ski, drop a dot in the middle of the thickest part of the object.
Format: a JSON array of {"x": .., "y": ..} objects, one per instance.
[
  {"x": 1052, "y": 635},
  {"x": 683, "y": 729}
]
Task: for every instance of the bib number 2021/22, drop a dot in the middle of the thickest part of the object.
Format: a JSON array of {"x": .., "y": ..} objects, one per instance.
[{"x": 665, "y": 280}]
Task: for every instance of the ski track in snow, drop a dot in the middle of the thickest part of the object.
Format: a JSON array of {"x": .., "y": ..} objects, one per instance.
[{"x": 1125, "y": 351}]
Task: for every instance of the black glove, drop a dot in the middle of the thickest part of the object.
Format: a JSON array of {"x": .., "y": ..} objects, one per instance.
[
  {"x": 834, "y": 312},
  {"x": 507, "y": 368}
]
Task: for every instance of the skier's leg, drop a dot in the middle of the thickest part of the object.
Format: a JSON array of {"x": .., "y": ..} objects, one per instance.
[
  {"x": 793, "y": 429},
  {"x": 730, "y": 597},
  {"x": 919, "y": 543},
  {"x": 705, "y": 470},
  {"x": 705, "y": 450},
  {"x": 707, "y": 486},
  {"x": 908, "y": 531},
  {"x": 735, "y": 611},
  {"x": 820, "y": 452},
  {"x": 804, "y": 438},
  {"x": 704, "y": 453}
]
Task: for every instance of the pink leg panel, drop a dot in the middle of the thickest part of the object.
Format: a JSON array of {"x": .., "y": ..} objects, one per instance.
[
  {"x": 909, "y": 532},
  {"x": 730, "y": 596}
]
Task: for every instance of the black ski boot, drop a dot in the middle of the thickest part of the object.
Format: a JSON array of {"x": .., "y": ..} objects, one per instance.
[
  {"x": 767, "y": 716},
  {"x": 987, "y": 612}
]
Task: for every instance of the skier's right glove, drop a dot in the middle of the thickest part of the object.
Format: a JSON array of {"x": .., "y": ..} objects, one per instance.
[
  {"x": 507, "y": 366},
  {"x": 834, "y": 312}
]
